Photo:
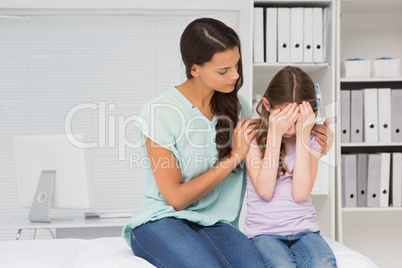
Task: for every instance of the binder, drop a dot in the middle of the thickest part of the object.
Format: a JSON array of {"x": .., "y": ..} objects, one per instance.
[
  {"x": 373, "y": 180},
  {"x": 349, "y": 183},
  {"x": 258, "y": 35},
  {"x": 370, "y": 115},
  {"x": 362, "y": 180},
  {"x": 283, "y": 34},
  {"x": 296, "y": 34},
  {"x": 396, "y": 120},
  {"x": 384, "y": 115},
  {"x": 396, "y": 198},
  {"x": 356, "y": 116},
  {"x": 271, "y": 32},
  {"x": 384, "y": 179},
  {"x": 308, "y": 35},
  {"x": 317, "y": 34},
  {"x": 345, "y": 116}
]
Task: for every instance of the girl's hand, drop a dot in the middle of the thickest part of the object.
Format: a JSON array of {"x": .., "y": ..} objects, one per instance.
[
  {"x": 324, "y": 136},
  {"x": 281, "y": 121},
  {"x": 305, "y": 120},
  {"x": 242, "y": 136}
]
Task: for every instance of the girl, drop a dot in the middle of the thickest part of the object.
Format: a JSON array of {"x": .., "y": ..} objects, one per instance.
[
  {"x": 194, "y": 136},
  {"x": 281, "y": 170}
]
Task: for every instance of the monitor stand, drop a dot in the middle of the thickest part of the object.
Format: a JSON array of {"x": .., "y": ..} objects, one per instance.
[{"x": 43, "y": 197}]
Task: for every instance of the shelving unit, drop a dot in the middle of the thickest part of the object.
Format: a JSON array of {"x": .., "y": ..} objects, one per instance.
[
  {"x": 322, "y": 73},
  {"x": 369, "y": 30}
]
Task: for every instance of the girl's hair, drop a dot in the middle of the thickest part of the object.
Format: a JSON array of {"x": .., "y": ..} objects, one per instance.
[
  {"x": 291, "y": 84},
  {"x": 201, "y": 39}
]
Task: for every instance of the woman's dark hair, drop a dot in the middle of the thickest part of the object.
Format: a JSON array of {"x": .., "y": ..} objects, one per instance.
[
  {"x": 291, "y": 84},
  {"x": 201, "y": 39}
]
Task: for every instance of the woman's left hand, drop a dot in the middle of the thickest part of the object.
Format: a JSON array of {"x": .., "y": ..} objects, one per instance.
[
  {"x": 305, "y": 120},
  {"x": 324, "y": 136}
]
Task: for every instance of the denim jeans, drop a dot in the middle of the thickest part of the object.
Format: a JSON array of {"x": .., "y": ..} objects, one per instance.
[
  {"x": 306, "y": 249},
  {"x": 172, "y": 242}
]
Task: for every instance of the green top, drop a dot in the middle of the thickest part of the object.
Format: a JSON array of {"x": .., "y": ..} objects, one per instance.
[{"x": 171, "y": 121}]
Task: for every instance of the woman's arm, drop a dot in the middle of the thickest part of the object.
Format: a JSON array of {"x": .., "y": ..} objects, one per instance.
[
  {"x": 306, "y": 159},
  {"x": 167, "y": 173}
]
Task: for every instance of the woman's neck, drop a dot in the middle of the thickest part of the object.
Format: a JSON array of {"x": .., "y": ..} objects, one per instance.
[{"x": 199, "y": 95}]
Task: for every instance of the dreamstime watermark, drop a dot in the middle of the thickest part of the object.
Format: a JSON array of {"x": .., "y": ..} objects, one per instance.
[{"x": 165, "y": 124}]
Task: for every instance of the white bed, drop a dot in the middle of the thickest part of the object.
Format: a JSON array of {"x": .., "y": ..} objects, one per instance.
[{"x": 112, "y": 252}]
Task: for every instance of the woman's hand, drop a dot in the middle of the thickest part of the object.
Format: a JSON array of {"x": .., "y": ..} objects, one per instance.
[
  {"x": 305, "y": 120},
  {"x": 281, "y": 121},
  {"x": 242, "y": 136},
  {"x": 324, "y": 136}
]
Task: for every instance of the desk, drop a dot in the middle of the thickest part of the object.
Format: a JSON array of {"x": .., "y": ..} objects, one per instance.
[{"x": 78, "y": 227}]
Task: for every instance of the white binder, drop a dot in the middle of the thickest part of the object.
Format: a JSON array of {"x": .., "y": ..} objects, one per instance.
[
  {"x": 345, "y": 116},
  {"x": 258, "y": 35},
  {"x": 349, "y": 183},
  {"x": 370, "y": 115},
  {"x": 396, "y": 115},
  {"x": 362, "y": 180},
  {"x": 373, "y": 180},
  {"x": 396, "y": 180},
  {"x": 308, "y": 35},
  {"x": 384, "y": 115},
  {"x": 283, "y": 34},
  {"x": 296, "y": 34},
  {"x": 356, "y": 116},
  {"x": 385, "y": 177},
  {"x": 271, "y": 32},
  {"x": 317, "y": 35}
]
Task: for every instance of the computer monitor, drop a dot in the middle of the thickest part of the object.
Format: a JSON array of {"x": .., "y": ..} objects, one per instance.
[{"x": 52, "y": 173}]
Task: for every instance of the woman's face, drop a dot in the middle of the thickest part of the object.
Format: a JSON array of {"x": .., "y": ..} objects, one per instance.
[{"x": 220, "y": 73}]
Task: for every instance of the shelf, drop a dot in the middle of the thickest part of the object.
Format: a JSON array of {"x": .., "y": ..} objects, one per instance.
[
  {"x": 377, "y": 144},
  {"x": 372, "y": 209},
  {"x": 371, "y": 147},
  {"x": 370, "y": 80},
  {"x": 293, "y": 3},
  {"x": 275, "y": 67}
]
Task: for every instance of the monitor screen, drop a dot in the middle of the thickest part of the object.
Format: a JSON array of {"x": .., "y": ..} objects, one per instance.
[{"x": 53, "y": 156}]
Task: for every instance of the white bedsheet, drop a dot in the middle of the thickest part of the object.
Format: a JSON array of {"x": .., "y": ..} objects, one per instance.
[{"x": 112, "y": 252}]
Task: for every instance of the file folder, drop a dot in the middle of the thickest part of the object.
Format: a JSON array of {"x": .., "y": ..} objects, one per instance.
[
  {"x": 384, "y": 179},
  {"x": 317, "y": 35},
  {"x": 308, "y": 35},
  {"x": 258, "y": 35},
  {"x": 356, "y": 116},
  {"x": 345, "y": 116},
  {"x": 271, "y": 32},
  {"x": 373, "y": 180},
  {"x": 384, "y": 115},
  {"x": 296, "y": 34},
  {"x": 396, "y": 180},
  {"x": 370, "y": 115},
  {"x": 396, "y": 121},
  {"x": 283, "y": 34},
  {"x": 349, "y": 183},
  {"x": 362, "y": 180}
]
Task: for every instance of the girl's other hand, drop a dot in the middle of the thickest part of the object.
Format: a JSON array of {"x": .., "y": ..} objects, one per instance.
[
  {"x": 242, "y": 136},
  {"x": 305, "y": 120},
  {"x": 281, "y": 121}
]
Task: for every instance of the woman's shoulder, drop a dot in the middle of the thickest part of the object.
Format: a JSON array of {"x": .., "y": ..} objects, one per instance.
[{"x": 165, "y": 105}]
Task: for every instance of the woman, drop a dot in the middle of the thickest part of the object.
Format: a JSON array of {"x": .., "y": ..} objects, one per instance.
[{"x": 194, "y": 187}]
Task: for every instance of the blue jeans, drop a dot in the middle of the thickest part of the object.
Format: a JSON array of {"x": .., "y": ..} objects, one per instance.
[
  {"x": 172, "y": 242},
  {"x": 300, "y": 250}
]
